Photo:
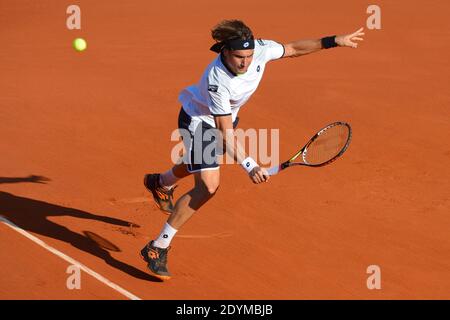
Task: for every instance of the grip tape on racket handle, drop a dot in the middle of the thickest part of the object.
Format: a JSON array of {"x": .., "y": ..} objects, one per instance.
[
  {"x": 274, "y": 170},
  {"x": 249, "y": 164}
]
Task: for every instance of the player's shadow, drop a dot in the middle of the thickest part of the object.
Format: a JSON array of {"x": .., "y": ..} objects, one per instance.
[
  {"x": 32, "y": 215},
  {"x": 31, "y": 178}
]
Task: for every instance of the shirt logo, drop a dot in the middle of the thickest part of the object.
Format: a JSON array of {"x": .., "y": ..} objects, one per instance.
[
  {"x": 258, "y": 68},
  {"x": 246, "y": 44},
  {"x": 213, "y": 88},
  {"x": 261, "y": 42}
]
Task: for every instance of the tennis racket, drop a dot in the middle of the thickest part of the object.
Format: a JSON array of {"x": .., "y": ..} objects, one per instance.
[{"x": 323, "y": 148}]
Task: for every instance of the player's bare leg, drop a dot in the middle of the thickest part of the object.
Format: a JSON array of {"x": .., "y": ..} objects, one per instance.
[
  {"x": 155, "y": 252},
  {"x": 206, "y": 184},
  {"x": 180, "y": 171}
]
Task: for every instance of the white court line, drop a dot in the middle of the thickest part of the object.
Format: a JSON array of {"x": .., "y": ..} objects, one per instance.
[{"x": 94, "y": 274}]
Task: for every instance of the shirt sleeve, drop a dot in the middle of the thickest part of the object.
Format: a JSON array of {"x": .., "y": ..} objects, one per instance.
[
  {"x": 218, "y": 95},
  {"x": 272, "y": 49}
]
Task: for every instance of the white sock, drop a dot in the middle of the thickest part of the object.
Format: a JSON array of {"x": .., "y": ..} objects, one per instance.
[
  {"x": 168, "y": 179},
  {"x": 165, "y": 237}
]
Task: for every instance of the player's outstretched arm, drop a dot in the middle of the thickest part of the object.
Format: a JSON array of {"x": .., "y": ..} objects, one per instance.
[{"x": 302, "y": 47}]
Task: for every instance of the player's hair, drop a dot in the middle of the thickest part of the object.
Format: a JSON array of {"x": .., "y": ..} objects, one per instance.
[{"x": 230, "y": 30}]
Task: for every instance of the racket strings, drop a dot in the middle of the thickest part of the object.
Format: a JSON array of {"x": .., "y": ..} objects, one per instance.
[{"x": 329, "y": 144}]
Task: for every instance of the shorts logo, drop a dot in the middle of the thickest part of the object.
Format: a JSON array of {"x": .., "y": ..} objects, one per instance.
[
  {"x": 247, "y": 164},
  {"x": 213, "y": 88},
  {"x": 261, "y": 42},
  {"x": 165, "y": 236},
  {"x": 246, "y": 44},
  {"x": 258, "y": 68}
]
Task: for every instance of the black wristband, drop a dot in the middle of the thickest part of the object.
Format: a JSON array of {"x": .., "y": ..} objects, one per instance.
[{"x": 329, "y": 42}]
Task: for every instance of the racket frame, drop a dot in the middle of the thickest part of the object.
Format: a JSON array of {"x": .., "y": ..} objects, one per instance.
[{"x": 290, "y": 162}]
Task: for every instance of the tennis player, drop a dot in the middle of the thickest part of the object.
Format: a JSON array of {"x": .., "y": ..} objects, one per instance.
[{"x": 213, "y": 103}]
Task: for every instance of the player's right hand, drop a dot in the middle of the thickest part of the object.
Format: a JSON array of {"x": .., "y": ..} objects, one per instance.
[{"x": 258, "y": 175}]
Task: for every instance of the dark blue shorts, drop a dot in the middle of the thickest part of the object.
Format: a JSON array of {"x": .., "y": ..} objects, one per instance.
[{"x": 200, "y": 142}]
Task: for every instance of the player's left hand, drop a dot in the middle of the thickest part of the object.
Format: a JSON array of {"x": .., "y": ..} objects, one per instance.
[{"x": 348, "y": 40}]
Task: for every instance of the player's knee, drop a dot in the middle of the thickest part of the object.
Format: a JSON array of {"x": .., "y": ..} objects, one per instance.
[
  {"x": 212, "y": 190},
  {"x": 209, "y": 189}
]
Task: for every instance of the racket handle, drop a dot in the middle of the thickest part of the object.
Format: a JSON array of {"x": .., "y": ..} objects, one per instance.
[{"x": 274, "y": 170}]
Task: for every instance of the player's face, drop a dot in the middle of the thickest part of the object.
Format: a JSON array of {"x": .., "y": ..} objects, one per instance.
[{"x": 238, "y": 60}]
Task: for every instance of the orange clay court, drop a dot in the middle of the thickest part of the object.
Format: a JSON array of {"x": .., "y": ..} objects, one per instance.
[{"x": 88, "y": 125}]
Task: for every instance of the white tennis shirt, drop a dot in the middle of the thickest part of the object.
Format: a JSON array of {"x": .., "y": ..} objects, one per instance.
[{"x": 220, "y": 92}]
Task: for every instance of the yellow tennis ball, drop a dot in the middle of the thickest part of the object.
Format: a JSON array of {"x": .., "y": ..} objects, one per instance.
[{"x": 79, "y": 44}]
